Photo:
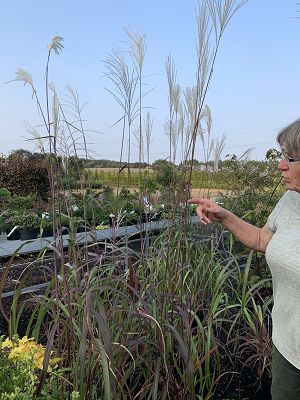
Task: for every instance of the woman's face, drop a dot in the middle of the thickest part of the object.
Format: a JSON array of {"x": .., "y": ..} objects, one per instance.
[{"x": 290, "y": 172}]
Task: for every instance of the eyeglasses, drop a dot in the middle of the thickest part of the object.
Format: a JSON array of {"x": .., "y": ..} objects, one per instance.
[{"x": 289, "y": 159}]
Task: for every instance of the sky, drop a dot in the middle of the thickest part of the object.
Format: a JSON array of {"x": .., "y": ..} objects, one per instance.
[{"x": 254, "y": 90}]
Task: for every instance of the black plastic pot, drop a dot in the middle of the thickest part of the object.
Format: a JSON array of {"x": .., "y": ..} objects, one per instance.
[
  {"x": 111, "y": 221},
  {"x": 144, "y": 217},
  {"x": 155, "y": 217},
  {"x": 83, "y": 229},
  {"x": 28, "y": 234},
  {"x": 47, "y": 233},
  {"x": 14, "y": 236}
]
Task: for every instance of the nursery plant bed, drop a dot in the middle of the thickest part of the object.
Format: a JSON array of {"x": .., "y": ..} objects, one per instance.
[
  {"x": 8, "y": 248},
  {"x": 30, "y": 271},
  {"x": 236, "y": 383}
]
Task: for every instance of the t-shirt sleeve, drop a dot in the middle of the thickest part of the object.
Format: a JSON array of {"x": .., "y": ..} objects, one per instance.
[{"x": 272, "y": 219}]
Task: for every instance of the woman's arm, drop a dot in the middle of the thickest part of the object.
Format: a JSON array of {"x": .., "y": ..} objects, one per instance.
[{"x": 251, "y": 236}]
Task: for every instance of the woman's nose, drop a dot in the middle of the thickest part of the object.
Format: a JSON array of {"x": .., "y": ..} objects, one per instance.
[{"x": 283, "y": 165}]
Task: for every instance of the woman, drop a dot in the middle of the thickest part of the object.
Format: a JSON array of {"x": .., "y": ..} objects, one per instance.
[{"x": 280, "y": 239}]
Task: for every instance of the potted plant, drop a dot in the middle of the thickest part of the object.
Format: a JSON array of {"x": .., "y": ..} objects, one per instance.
[
  {"x": 64, "y": 223},
  {"x": 46, "y": 226},
  {"x": 12, "y": 232},
  {"x": 3, "y": 225},
  {"x": 28, "y": 225},
  {"x": 79, "y": 225}
]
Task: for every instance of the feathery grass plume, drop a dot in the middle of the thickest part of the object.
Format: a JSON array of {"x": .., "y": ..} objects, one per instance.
[
  {"x": 55, "y": 117},
  {"x": 174, "y": 92},
  {"x": 245, "y": 156},
  {"x": 222, "y": 11},
  {"x": 24, "y": 76},
  {"x": 213, "y": 16},
  {"x": 36, "y": 137},
  {"x": 137, "y": 48},
  {"x": 180, "y": 124},
  {"x": 148, "y": 125},
  {"x": 72, "y": 106},
  {"x": 189, "y": 106},
  {"x": 218, "y": 150},
  {"x": 137, "y": 44},
  {"x": 125, "y": 82},
  {"x": 173, "y": 87},
  {"x": 205, "y": 133},
  {"x": 174, "y": 130},
  {"x": 140, "y": 144},
  {"x": 56, "y": 44},
  {"x": 204, "y": 54}
]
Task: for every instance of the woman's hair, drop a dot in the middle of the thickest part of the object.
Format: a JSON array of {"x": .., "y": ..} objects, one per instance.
[{"x": 289, "y": 139}]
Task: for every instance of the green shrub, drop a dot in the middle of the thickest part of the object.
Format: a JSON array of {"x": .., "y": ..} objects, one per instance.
[
  {"x": 148, "y": 185},
  {"x": 21, "y": 203},
  {"x": 4, "y": 196},
  {"x": 24, "y": 176},
  {"x": 26, "y": 221}
]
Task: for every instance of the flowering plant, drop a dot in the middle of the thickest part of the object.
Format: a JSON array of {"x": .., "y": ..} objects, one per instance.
[{"x": 20, "y": 360}]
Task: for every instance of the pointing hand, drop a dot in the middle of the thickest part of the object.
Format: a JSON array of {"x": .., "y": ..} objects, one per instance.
[{"x": 208, "y": 211}]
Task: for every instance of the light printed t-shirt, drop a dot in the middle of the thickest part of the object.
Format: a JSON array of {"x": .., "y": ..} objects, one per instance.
[{"x": 283, "y": 258}]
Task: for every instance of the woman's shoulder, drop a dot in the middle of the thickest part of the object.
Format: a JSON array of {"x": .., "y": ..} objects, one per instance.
[
  {"x": 290, "y": 196},
  {"x": 288, "y": 204},
  {"x": 279, "y": 207}
]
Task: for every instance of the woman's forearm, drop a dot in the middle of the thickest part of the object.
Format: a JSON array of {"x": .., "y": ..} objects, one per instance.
[{"x": 209, "y": 211}]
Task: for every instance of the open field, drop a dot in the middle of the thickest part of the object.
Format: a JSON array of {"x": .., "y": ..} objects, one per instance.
[
  {"x": 205, "y": 192},
  {"x": 198, "y": 192},
  {"x": 112, "y": 177},
  {"x": 124, "y": 171}
]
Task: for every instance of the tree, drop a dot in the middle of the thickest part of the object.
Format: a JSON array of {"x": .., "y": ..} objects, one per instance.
[
  {"x": 165, "y": 173},
  {"x": 273, "y": 155},
  {"x": 20, "y": 153},
  {"x": 23, "y": 176}
]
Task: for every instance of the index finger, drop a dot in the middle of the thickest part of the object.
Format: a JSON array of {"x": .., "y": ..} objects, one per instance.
[{"x": 199, "y": 201}]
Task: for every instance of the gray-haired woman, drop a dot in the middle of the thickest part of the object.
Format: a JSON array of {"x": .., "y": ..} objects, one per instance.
[{"x": 280, "y": 239}]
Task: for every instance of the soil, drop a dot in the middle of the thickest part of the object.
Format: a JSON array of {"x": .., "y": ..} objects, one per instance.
[
  {"x": 27, "y": 270},
  {"x": 244, "y": 385}
]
